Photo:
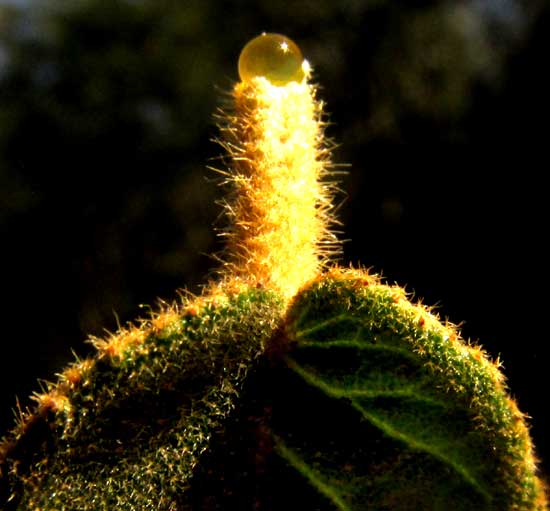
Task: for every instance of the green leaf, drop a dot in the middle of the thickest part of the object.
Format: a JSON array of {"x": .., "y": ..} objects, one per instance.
[
  {"x": 351, "y": 399},
  {"x": 137, "y": 424},
  {"x": 412, "y": 417}
]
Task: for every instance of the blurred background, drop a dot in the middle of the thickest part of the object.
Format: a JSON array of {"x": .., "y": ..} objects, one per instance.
[{"x": 106, "y": 124}]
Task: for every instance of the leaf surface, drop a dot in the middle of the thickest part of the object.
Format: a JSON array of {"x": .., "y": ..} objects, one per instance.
[{"x": 399, "y": 412}]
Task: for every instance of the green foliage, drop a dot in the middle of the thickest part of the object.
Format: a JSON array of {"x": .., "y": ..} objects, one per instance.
[
  {"x": 136, "y": 426},
  {"x": 355, "y": 399},
  {"x": 374, "y": 406},
  {"x": 445, "y": 432}
]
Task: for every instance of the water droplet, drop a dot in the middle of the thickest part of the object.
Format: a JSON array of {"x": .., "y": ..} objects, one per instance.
[{"x": 274, "y": 57}]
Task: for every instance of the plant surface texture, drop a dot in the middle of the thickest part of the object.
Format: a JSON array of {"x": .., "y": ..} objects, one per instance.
[{"x": 290, "y": 383}]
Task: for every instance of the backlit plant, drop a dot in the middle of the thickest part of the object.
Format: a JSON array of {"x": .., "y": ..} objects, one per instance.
[{"x": 290, "y": 383}]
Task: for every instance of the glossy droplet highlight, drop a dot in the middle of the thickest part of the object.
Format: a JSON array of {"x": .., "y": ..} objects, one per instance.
[{"x": 274, "y": 57}]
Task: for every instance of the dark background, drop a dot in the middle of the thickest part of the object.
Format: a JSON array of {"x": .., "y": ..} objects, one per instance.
[{"x": 105, "y": 133}]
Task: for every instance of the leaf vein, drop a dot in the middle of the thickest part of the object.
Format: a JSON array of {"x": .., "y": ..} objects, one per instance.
[
  {"x": 385, "y": 426},
  {"x": 314, "y": 478}
]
